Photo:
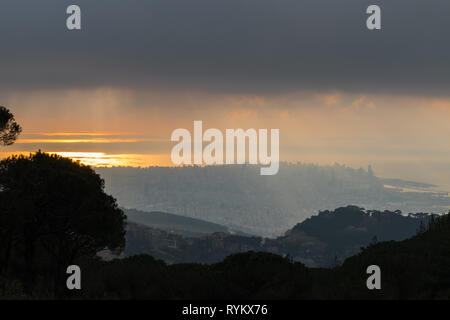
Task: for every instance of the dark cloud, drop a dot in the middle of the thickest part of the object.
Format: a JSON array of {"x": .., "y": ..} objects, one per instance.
[{"x": 259, "y": 46}]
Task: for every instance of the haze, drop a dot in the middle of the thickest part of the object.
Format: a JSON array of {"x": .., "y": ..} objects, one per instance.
[{"x": 112, "y": 93}]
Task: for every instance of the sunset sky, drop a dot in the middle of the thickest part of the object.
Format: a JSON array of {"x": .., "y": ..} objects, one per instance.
[{"x": 112, "y": 93}]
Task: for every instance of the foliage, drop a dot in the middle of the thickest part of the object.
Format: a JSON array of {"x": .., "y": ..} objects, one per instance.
[
  {"x": 52, "y": 212},
  {"x": 417, "y": 268},
  {"x": 9, "y": 129}
]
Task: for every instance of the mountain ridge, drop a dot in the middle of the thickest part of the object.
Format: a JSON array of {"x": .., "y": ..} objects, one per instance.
[
  {"x": 182, "y": 225},
  {"x": 317, "y": 242}
]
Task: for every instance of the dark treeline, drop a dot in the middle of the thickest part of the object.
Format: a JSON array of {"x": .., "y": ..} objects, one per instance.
[{"x": 417, "y": 268}]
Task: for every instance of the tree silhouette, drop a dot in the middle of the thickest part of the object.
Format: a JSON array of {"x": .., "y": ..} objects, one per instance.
[
  {"x": 56, "y": 212},
  {"x": 374, "y": 240},
  {"x": 9, "y": 129}
]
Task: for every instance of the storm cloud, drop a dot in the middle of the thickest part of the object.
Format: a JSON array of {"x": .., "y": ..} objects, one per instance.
[{"x": 232, "y": 46}]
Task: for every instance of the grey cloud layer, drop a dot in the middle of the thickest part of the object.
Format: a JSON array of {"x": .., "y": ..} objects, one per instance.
[{"x": 260, "y": 46}]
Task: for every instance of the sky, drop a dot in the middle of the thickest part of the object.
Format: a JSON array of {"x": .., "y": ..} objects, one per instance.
[{"x": 112, "y": 93}]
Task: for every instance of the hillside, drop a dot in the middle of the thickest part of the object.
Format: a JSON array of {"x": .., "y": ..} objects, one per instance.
[
  {"x": 318, "y": 241},
  {"x": 174, "y": 248},
  {"x": 185, "y": 226}
]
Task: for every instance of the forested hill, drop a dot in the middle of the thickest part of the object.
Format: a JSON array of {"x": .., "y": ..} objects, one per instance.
[
  {"x": 340, "y": 233},
  {"x": 353, "y": 224},
  {"x": 238, "y": 197}
]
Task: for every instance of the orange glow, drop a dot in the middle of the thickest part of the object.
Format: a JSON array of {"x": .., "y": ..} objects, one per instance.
[
  {"x": 100, "y": 159},
  {"x": 95, "y": 134},
  {"x": 99, "y": 140},
  {"x": 93, "y": 158}
]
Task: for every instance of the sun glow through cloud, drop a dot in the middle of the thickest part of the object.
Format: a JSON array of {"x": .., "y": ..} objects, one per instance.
[
  {"x": 100, "y": 159},
  {"x": 77, "y": 140},
  {"x": 95, "y": 134}
]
